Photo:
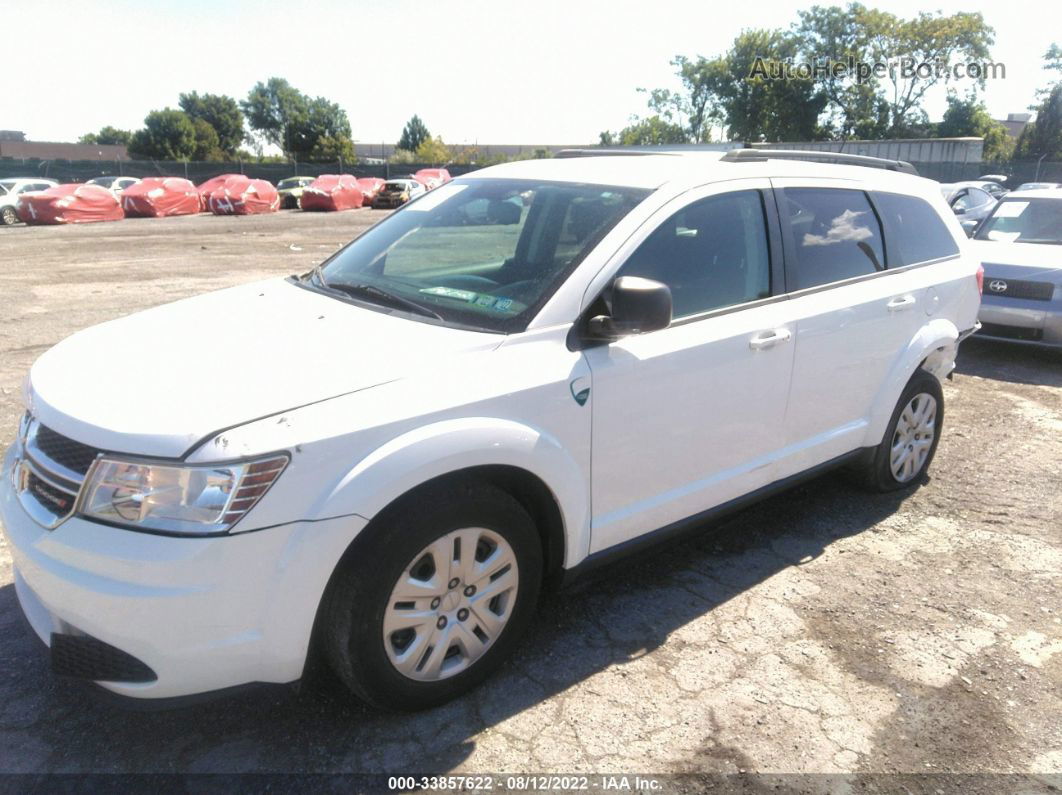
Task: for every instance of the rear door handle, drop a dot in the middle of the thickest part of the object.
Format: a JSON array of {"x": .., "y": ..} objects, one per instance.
[
  {"x": 768, "y": 339},
  {"x": 901, "y": 302}
]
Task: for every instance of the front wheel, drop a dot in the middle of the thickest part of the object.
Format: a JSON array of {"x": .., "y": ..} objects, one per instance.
[
  {"x": 8, "y": 216},
  {"x": 905, "y": 453},
  {"x": 435, "y": 599}
]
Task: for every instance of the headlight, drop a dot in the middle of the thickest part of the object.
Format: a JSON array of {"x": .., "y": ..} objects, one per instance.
[{"x": 188, "y": 500}]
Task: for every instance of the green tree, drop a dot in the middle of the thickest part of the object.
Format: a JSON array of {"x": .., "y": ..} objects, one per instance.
[
  {"x": 220, "y": 112},
  {"x": 167, "y": 135},
  {"x": 968, "y": 116},
  {"x": 413, "y": 135},
  {"x": 434, "y": 151},
  {"x": 887, "y": 102},
  {"x": 207, "y": 145},
  {"x": 271, "y": 108},
  {"x": 651, "y": 131},
  {"x": 107, "y": 135},
  {"x": 1043, "y": 138},
  {"x": 319, "y": 130}
]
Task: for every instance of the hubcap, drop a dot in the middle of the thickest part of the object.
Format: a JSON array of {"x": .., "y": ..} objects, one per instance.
[
  {"x": 450, "y": 604},
  {"x": 913, "y": 438}
]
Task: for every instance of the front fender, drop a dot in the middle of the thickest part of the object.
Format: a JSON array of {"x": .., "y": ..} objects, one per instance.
[
  {"x": 934, "y": 347},
  {"x": 441, "y": 448}
]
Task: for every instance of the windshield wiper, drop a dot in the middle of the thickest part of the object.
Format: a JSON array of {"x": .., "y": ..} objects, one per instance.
[{"x": 371, "y": 291}]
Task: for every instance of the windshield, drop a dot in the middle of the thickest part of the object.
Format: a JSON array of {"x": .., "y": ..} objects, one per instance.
[
  {"x": 292, "y": 183},
  {"x": 1024, "y": 221},
  {"x": 485, "y": 253},
  {"x": 104, "y": 182}
]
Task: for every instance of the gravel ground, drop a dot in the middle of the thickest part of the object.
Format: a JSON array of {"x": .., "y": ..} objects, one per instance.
[{"x": 824, "y": 631}]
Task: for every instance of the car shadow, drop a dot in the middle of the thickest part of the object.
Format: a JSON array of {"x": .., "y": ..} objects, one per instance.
[
  {"x": 621, "y": 613},
  {"x": 1003, "y": 361}
]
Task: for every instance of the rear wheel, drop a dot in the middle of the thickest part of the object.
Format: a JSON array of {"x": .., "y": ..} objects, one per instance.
[
  {"x": 435, "y": 599},
  {"x": 905, "y": 453},
  {"x": 8, "y": 216}
]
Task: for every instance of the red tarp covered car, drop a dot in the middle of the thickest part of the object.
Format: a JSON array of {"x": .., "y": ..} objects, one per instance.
[
  {"x": 208, "y": 187},
  {"x": 370, "y": 186},
  {"x": 240, "y": 195},
  {"x": 432, "y": 177},
  {"x": 333, "y": 192},
  {"x": 70, "y": 204},
  {"x": 158, "y": 197}
]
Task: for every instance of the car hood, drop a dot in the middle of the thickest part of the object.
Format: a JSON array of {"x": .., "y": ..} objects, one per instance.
[
  {"x": 159, "y": 381},
  {"x": 1028, "y": 259}
]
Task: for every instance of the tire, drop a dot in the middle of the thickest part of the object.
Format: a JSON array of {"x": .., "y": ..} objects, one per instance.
[
  {"x": 902, "y": 459},
  {"x": 389, "y": 650},
  {"x": 8, "y": 216}
]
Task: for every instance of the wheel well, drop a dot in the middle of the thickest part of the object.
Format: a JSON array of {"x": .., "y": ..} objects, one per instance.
[{"x": 528, "y": 489}]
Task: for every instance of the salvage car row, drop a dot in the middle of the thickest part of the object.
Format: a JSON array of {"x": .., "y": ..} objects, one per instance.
[{"x": 44, "y": 201}]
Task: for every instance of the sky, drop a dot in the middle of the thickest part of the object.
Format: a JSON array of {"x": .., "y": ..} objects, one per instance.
[{"x": 543, "y": 72}]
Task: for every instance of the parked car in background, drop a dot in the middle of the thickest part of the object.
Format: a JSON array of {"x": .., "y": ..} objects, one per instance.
[
  {"x": 432, "y": 177},
  {"x": 330, "y": 192},
  {"x": 10, "y": 191},
  {"x": 1039, "y": 185},
  {"x": 240, "y": 195},
  {"x": 114, "y": 184},
  {"x": 209, "y": 186},
  {"x": 370, "y": 187},
  {"x": 385, "y": 460},
  {"x": 159, "y": 197},
  {"x": 396, "y": 192},
  {"x": 290, "y": 191},
  {"x": 1020, "y": 246},
  {"x": 969, "y": 201},
  {"x": 73, "y": 203}
]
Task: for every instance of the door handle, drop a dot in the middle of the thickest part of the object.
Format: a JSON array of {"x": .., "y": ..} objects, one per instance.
[
  {"x": 768, "y": 339},
  {"x": 901, "y": 302}
]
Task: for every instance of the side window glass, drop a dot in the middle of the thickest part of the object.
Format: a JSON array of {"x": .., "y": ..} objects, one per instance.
[
  {"x": 964, "y": 201},
  {"x": 712, "y": 254},
  {"x": 918, "y": 230},
  {"x": 835, "y": 234}
]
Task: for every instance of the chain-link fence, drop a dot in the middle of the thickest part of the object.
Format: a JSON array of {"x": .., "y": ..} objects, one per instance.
[{"x": 84, "y": 170}]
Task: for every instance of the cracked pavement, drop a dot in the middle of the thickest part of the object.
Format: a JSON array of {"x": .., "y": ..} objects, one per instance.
[{"x": 823, "y": 631}]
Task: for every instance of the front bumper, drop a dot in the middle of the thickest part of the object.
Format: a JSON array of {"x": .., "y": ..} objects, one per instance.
[
  {"x": 1021, "y": 320},
  {"x": 203, "y": 614}
]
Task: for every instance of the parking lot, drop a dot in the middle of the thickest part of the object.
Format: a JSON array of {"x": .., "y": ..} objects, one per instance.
[{"x": 824, "y": 631}]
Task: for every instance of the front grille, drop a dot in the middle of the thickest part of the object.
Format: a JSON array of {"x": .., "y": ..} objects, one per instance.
[
  {"x": 1011, "y": 332},
  {"x": 85, "y": 657},
  {"x": 73, "y": 455},
  {"x": 56, "y": 500},
  {"x": 1019, "y": 288},
  {"x": 49, "y": 473}
]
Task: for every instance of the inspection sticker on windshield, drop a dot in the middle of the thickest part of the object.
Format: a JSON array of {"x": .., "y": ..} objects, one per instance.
[
  {"x": 1010, "y": 209},
  {"x": 451, "y": 292}
]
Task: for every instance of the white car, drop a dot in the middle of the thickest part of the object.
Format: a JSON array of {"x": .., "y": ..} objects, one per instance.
[
  {"x": 383, "y": 461},
  {"x": 114, "y": 184},
  {"x": 1020, "y": 246},
  {"x": 11, "y": 189}
]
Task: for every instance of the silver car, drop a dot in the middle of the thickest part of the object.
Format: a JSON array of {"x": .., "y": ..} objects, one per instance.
[{"x": 1020, "y": 246}]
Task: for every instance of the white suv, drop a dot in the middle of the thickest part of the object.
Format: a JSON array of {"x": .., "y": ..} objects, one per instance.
[{"x": 519, "y": 375}]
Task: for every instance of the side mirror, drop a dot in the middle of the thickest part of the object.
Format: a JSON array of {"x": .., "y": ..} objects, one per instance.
[
  {"x": 638, "y": 306},
  {"x": 969, "y": 227},
  {"x": 959, "y": 210}
]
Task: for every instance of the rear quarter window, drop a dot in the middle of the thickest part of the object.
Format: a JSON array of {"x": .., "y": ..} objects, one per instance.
[{"x": 915, "y": 230}]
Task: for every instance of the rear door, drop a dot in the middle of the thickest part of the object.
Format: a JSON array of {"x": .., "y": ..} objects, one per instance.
[{"x": 853, "y": 317}]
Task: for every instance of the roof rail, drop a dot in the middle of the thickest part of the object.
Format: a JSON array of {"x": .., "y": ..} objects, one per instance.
[
  {"x": 607, "y": 153},
  {"x": 759, "y": 155}
]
